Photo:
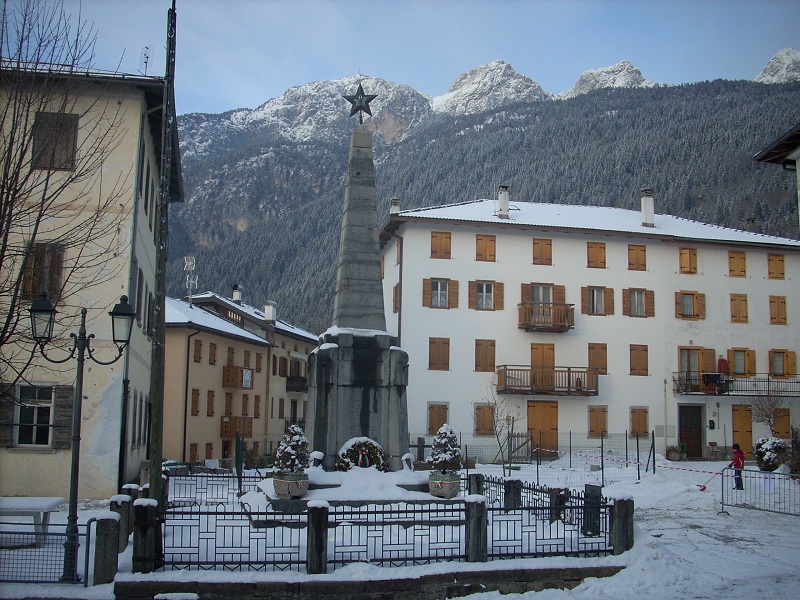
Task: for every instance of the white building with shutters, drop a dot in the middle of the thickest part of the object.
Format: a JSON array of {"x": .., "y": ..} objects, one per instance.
[{"x": 591, "y": 320}]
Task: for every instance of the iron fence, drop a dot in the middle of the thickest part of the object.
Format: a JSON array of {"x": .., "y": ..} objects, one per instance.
[
  {"x": 38, "y": 557},
  {"x": 761, "y": 490},
  {"x": 209, "y": 488}
]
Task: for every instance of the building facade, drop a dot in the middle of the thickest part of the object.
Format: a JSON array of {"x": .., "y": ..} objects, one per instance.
[
  {"x": 591, "y": 320},
  {"x": 114, "y": 123}
]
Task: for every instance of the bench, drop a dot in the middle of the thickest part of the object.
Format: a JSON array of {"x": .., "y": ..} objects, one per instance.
[{"x": 38, "y": 507}]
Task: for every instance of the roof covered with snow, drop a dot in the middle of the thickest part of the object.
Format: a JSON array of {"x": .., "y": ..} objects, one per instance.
[
  {"x": 574, "y": 217},
  {"x": 182, "y": 314}
]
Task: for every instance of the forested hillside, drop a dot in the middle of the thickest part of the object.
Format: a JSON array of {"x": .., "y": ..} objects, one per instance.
[{"x": 264, "y": 212}]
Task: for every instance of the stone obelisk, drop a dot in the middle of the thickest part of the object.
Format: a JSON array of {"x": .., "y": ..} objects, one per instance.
[{"x": 358, "y": 376}]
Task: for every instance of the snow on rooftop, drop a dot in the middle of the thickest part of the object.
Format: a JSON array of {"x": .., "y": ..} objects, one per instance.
[
  {"x": 179, "y": 312},
  {"x": 593, "y": 218}
]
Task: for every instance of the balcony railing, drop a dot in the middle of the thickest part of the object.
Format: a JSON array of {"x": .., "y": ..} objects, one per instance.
[
  {"x": 229, "y": 426},
  {"x": 296, "y": 383},
  {"x": 549, "y": 381},
  {"x": 556, "y": 318},
  {"x": 716, "y": 384}
]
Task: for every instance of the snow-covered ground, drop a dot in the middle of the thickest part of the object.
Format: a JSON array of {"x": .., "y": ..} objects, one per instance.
[{"x": 683, "y": 549}]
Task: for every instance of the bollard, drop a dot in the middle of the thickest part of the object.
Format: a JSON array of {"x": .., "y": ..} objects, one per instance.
[
  {"x": 476, "y": 535},
  {"x": 106, "y": 544},
  {"x": 121, "y": 504},
  {"x": 476, "y": 483},
  {"x": 621, "y": 535},
  {"x": 144, "y": 535},
  {"x": 317, "y": 537},
  {"x": 512, "y": 496}
]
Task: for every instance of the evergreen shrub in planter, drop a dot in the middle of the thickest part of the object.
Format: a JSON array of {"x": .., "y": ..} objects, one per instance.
[
  {"x": 444, "y": 480},
  {"x": 771, "y": 453},
  {"x": 291, "y": 459}
]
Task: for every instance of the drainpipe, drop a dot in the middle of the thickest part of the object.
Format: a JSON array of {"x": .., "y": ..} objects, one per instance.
[
  {"x": 122, "y": 462},
  {"x": 186, "y": 395}
]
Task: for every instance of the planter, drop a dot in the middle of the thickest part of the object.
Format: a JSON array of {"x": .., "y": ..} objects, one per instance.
[
  {"x": 673, "y": 454},
  {"x": 444, "y": 485},
  {"x": 290, "y": 485}
]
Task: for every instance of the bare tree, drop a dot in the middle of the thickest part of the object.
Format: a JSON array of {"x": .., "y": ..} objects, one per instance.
[
  {"x": 60, "y": 221},
  {"x": 765, "y": 407}
]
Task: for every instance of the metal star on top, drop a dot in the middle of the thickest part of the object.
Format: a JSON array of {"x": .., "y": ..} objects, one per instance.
[{"x": 360, "y": 102}]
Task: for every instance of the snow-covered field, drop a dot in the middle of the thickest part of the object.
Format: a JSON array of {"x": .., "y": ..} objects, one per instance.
[{"x": 683, "y": 549}]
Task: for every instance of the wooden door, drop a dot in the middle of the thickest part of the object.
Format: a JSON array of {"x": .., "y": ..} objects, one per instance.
[
  {"x": 543, "y": 360},
  {"x": 743, "y": 428},
  {"x": 690, "y": 429},
  {"x": 543, "y": 426}
]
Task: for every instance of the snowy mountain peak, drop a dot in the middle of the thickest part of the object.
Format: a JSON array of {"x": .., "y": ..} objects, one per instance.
[
  {"x": 784, "y": 67},
  {"x": 486, "y": 88},
  {"x": 621, "y": 75}
]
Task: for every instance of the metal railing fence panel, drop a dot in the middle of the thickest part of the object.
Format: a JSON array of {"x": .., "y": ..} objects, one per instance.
[
  {"x": 28, "y": 557},
  {"x": 761, "y": 490}
]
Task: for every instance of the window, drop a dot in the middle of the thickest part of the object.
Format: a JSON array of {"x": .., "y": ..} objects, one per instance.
[
  {"x": 596, "y": 255},
  {"x": 597, "y": 301},
  {"x": 283, "y": 365},
  {"x": 210, "y": 403},
  {"x": 245, "y": 404},
  {"x": 55, "y": 141},
  {"x": 485, "y": 246},
  {"x": 782, "y": 363},
  {"x": 598, "y": 358},
  {"x": 44, "y": 269},
  {"x": 737, "y": 265},
  {"x": 688, "y": 261},
  {"x": 198, "y": 350},
  {"x": 639, "y": 422},
  {"x": 228, "y": 404},
  {"x": 637, "y": 257},
  {"x": 690, "y": 305},
  {"x": 439, "y": 354},
  {"x": 486, "y": 295},
  {"x": 742, "y": 362},
  {"x": 440, "y": 293},
  {"x": 209, "y": 450},
  {"x": 440, "y": 244},
  {"x": 257, "y": 407},
  {"x": 195, "y": 402},
  {"x": 212, "y": 353},
  {"x": 437, "y": 416},
  {"x": 598, "y": 421},
  {"x": 638, "y": 359},
  {"x": 281, "y": 408},
  {"x": 542, "y": 251},
  {"x": 484, "y": 419},
  {"x": 775, "y": 266},
  {"x": 34, "y": 415},
  {"x": 777, "y": 310},
  {"x": 738, "y": 308},
  {"x": 484, "y": 356},
  {"x": 259, "y": 357},
  {"x": 638, "y": 303}
]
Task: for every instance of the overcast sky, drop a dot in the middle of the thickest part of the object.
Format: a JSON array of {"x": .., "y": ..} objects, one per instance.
[{"x": 240, "y": 53}]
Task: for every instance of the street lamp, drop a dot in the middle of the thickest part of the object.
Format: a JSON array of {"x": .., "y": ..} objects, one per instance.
[{"x": 43, "y": 315}]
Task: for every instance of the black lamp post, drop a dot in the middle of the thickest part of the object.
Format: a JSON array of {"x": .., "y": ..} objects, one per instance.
[{"x": 43, "y": 315}]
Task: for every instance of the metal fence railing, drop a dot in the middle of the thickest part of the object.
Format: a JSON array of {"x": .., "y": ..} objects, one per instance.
[
  {"x": 38, "y": 557},
  {"x": 209, "y": 488},
  {"x": 761, "y": 490}
]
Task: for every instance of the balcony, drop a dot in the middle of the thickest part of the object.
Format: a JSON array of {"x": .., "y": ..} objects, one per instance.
[
  {"x": 229, "y": 426},
  {"x": 720, "y": 384},
  {"x": 296, "y": 383},
  {"x": 553, "y": 318},
  {"x": 547, "y": 381},
  {"x": 237, "y": 378}
]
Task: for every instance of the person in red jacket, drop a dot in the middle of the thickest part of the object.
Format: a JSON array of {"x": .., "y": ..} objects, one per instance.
[{"x": 738, "y": 464}]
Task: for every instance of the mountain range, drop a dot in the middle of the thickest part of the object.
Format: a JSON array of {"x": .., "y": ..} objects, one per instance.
[{"x": 264, "y": 187}]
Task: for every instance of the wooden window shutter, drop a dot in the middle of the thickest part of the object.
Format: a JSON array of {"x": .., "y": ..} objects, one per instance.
[
  {"x": 559, "y": 294},
  {"x": 259, "y": 358},
  {"x": 230, "y": 356},
  {"x": 210, "y": 403},
  {"x": 228, "y": 404},
  {"x": 598, "y": 421},
  {"x": 427, "y": 296},
  {"x": 498, "y": 295},
  {"x": 195, "y": 402},
  {"x": 437, "y": 416},
  {"x": 212, "y": 354},
  {"x": 636, "y": 257},
  {"x": 709, "y": 358},
  {"x": 688, "y": 260},
  {"x": 639, "y": 418},
  {"x": 775, "y": 266},
  {"x": 701, "y": 306},
  {"x": 777, "y": 310},
  {"x": 585, "y": 300},
  {"x": 751, "y": 362},
  {"x": 542, "y": 251},
  {"x": 609, "y": 301},
  {"x": 440, "y": 244},
  {"x": 737, "y": 266},
  {"x": 484, "y": 356},
  {"x": 790, "y": 363},
  {"x": 247, "y": 359},
  {"x": 626, "y": 302},
  {"x": 485, "y": 247},
  {"x": 198, "y": 350},
  {"x": 678, "y": 305},
  {"x": 396, "y": 298},
  {"x": 739, "y": 308},
  {"x": 649, "y": 303},
  {"x": 472, "y": 293},
  {"x": 452, "y": 293},
  {"x": 598, "y": 358},
  {"x": 245, "y": 404},
  {"x": 484, "y": 420},
  {"x": 526, "y": 292}
]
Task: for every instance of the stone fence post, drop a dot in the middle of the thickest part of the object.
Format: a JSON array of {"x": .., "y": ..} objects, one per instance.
[
  {"x": 106, "y": 546},
  {"x": 621, "y": 535},
  {"x": 476, "y": 538},
  {"x": 145, "y": 531},
  {"x": 512, "y": 496},
  {"x": 476, "y": 483},
  {"x": 317, "y": 537},
  {"x": 121, "y": 504},
  {"x": 132, "y": 489}
]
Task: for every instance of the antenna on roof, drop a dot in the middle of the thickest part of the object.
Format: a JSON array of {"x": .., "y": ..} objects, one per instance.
[
  {"x": 144, "y": 59},
  {"x": 191, "y": 280}
]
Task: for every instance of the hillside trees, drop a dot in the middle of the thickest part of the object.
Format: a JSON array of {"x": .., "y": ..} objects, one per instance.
[{"x": 58, "y": 222}]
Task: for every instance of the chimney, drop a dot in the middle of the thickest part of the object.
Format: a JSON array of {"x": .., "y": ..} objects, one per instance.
[
  {"x": 394, "y": 207},
  {"x": 271, "y": 311},
  {"x": 648, "y": 208},
  {"x": 236, "y": 295},
  {"x": 502, "y": 198}
]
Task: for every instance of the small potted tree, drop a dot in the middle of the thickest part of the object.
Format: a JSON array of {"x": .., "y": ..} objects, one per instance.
[
  {"x": 444, "y": 480},
  {"x": 291, "y": 459}
]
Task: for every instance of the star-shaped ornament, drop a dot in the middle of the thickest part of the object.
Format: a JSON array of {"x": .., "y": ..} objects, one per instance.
[{"x": 360, "y": 102}]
